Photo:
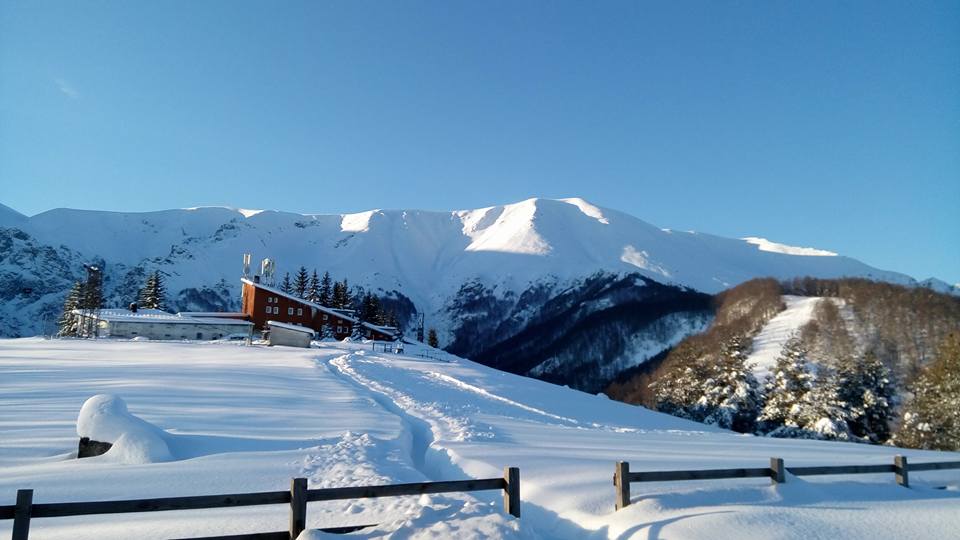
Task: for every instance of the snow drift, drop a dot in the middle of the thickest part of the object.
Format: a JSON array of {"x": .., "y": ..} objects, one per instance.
[{"x": 105, "y": 418}]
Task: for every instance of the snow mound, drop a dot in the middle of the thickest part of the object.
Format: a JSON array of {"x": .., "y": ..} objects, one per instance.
[{"x": 105, "y": 418}]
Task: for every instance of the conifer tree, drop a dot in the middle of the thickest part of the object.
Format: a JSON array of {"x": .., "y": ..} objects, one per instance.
[
  {"x": 301, "y": 283},
  {"x": 153, "y": 294},
  {"x": 787, "y": 390},
  {"x": 800, "y": 405},
  {"x": 326, "y": 290},
  {"x": 370, "y": 309},
  {"x": 825, "y": 415},
  {"x": 68, "y": 320},
  {"x": 732, "y": 398},
  {"x": 341, "y": 295},
  {"x": 679, "y": 390},
  {"x": 867, "y": 389},
  {"x": 931, "y": 420},
  {"x": 432, "y": 339},
  {"x": 286, "y": 285},
  {"x": 717, "y": 388},
  {"x": 313, "y": 290},
  {"x": 326, "y": 331}
]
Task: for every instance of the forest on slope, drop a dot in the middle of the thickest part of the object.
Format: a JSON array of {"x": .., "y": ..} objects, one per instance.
[{"x": 866, "y": 357}]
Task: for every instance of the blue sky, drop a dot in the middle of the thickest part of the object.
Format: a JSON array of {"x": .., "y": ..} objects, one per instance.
[{"x": 827, "y": 124}]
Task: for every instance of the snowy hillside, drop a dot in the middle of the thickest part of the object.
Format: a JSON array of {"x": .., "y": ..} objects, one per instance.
[
  {"x": 486, "y": 279},
  {"x": 241, "y": 418},
  {"x": 768, "y": 343},
  {"x": 429, "y": 253}
]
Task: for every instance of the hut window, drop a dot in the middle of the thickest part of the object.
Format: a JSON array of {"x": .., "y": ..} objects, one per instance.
[
  {"x": 299, "y": 311},
  {"x": 276, "y": 310},
  {"x": 289, "y": 311},
  {"x": 199, "y": 335},
  {"x": 268, "y": 309}
]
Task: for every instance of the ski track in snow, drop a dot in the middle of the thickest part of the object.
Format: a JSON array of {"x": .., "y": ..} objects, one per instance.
[{"x": 770, "y": 340}]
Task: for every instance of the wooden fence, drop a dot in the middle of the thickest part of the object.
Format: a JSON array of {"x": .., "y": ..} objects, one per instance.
[
  {"x": 776, "y": 472},
  {"x": 24, "y": 510}
]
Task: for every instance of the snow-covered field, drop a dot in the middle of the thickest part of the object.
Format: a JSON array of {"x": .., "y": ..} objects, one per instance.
[{"x": 243, "y": 419}]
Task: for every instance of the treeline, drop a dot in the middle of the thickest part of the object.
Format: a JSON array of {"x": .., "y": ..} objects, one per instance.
[
  {"x": 740, "y": 312},
  {"x": 902, "y": 326},
  {"x": 323, "y": 290},
  {"x": 877, "y": 363}
]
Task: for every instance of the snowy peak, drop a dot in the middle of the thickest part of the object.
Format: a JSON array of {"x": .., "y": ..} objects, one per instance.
[{"x": 941, "y": 286}]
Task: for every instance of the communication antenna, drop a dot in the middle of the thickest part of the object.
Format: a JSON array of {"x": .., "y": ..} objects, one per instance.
[
  {"x": 267, "y": 269},
  {"x": 246, "y": 265}
]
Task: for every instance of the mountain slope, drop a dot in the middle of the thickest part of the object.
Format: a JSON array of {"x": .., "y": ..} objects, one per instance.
[{"x": 482, "y": 277}]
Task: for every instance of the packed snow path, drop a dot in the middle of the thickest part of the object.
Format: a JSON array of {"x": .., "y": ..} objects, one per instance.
[
  {"x": 774, "y": 335},
  {"x": 250, "y": 418}
]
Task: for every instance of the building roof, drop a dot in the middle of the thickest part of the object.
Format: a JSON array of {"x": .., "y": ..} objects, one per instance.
[
  {"x": 214, "y": 314},
  {"x": 332, "y": 311},
  {"x": 144, "y": 315},
  {"x": 288, "y": 326},
  {"x": 342, "y": 313}
]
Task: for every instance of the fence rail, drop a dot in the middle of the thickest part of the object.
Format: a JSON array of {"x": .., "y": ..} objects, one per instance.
[
  {"x": 24, "y": 510},
  {"x": 623, "y": 476}
]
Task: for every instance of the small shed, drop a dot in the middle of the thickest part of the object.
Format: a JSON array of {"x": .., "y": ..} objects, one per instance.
[{"x": 289, "y": 335}]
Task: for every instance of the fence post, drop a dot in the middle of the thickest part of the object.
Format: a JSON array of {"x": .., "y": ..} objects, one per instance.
[
  {"x": 511, "y": 492},
  {"x": 298, "y": 506},
  {"x": 901, "y": 470},
  {"x": 778, "y": 474},
  {"x": 21, "y": 514},
  {"x": 621, "y": 482}
]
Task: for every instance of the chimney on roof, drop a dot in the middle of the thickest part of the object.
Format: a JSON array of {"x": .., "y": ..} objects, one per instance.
[
  {"x": 133, "y": 307},
  {"x": 256, "y": 279}
]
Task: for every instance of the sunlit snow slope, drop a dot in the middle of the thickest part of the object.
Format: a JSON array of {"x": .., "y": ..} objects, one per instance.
[
  {"x": 425, "y": 256},
  {"x": 250, "y": 418}
]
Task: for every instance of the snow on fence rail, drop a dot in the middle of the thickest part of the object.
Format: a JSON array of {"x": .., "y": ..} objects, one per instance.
[
  {"x": 24, "y": 510},
  {"x": 776, "y": 472}
]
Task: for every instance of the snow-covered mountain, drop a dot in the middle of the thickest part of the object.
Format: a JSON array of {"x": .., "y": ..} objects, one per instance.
[{"x": 480, "y": 276}]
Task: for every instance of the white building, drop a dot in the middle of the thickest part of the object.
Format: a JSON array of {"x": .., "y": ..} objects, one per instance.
[
  {"x": 290, "y": 335},
  {"x": 156, "y": 324}
]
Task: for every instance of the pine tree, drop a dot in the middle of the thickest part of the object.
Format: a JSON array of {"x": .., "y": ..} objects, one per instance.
[
  {"x": 326, "y": 331},
  {"x": 341, "y": 295},
  {"x": 370, "y": 309},
  {"x": 787, "y": 390},
  {"x": 432, "y": 339},
  {"x": 286, "y": 285},
  {"x": 153, "y": 294},
  {"x": 931, "y": 420},
  {"x": 68, "y": 320},
  {"x": 391, "y": 320},
  {"x": 866, "y": 387},
  {"x": 717, "y": 388},
  {"x": 679, "y": 390},
  {"x": 800, "y": 405},
  {"x": 732, "y": 397},
  {"x": 301, "y": 282},
  {"x": 326, "y": 290},
  {"x": 825, "y": 415},
  {"x": 313, "y": 290}
]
